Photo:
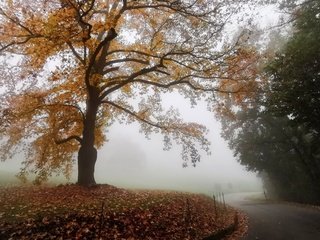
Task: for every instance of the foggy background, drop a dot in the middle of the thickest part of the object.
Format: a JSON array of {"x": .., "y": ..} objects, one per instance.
[{"x": 130, "y": 160}]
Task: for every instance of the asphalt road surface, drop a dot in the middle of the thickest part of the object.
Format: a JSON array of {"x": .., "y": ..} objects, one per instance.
[{"x": 277, "y": 221}]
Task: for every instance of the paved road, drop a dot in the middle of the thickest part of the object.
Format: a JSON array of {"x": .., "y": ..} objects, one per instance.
[{"x": 277, "y": 221}]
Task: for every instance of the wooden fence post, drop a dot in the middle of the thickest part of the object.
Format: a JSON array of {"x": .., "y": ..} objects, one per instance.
[{"x": 224, "y": 203}]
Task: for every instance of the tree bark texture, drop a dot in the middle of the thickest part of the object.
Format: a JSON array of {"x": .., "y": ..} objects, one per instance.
[{"x": 87, "y": 155}]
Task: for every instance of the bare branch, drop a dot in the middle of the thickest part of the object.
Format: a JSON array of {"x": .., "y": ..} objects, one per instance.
[
  {"x": 174, "y": 6},
  {"x": 61, "y": 141},
  {"x": 67, "y": 105},
  {"x": 124, "y": 2},
  {"x": 61, "y": 105},
  {"x": 196, "y": 87},
  {"x": 130, "y": 79},
  {"x": 75, "y": 53},
  {"x": 109, "y": 70},
  {"x": 135, "y": 52},
  {"x": 81, "y": 14},
  {"x": 15, "y": 21},
  {"x": 110, "y": 36},
  {"x": 128, "y": 60},
  {"x": 135, "y": 115},
  {"x": 17, "y": 43}
]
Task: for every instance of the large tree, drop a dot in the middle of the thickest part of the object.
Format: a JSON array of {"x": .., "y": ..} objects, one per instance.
[
  {"x": 276, "y": 131},
  {"x": 70, "y": 67}
]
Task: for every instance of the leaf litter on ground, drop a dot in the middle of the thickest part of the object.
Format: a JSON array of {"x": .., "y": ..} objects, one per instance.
[{"x": 107, "y": 212}]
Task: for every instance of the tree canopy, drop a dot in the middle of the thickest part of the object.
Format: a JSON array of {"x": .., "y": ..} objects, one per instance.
[
  {"x": 295, "y": 71},
  {"x": 71, "y": 67},
  {"x": 277, "y": 130}
]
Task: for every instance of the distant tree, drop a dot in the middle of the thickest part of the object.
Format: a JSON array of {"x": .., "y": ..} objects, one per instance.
[
  {"x": 295, "y": 85},
  {"x": 70, "y": 67},
  {"x": 267, "y": 144}
]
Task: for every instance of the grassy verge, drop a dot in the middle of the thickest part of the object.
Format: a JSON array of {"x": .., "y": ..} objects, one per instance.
[{"x": 107, "y": 212}]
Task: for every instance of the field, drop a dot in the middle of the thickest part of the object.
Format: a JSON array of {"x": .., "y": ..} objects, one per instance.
[{"x": 107, "y": 212}]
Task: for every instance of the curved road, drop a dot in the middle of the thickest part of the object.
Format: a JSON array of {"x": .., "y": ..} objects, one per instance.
[{"x": 277, "y": 221}]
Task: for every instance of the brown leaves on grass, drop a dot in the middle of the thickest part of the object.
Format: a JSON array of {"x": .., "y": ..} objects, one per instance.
[
  {"x": 106, "y": 212},
  {"x": 241, "y": 227}
]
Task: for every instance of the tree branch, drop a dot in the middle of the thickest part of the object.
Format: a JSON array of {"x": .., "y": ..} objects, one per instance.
[
  {"x": 182, "y": 81},
  {"x": 127, "y": 60},
  {"x": 109, "y": 70},
  {"x": 16, "y": 22},
  {"x": 135, "y": 115},
  {"x": 129, "y": 80},
  {"x": 61, "y": 141},
  {"x": 110, "y": 36},
  {"x": 75, "y": 53},
  {"x": 135, "y": 52},
  {"x": 66, "y": 105},
  {"x": 174, "y": 6},
  {"x": 17, "y": 43}
]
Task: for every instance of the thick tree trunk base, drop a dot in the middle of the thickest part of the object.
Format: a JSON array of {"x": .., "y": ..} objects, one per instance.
[{"x": 87, "y": 157}]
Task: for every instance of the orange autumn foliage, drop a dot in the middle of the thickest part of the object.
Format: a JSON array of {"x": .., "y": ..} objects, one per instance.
[{"x": 71, "y": 67}]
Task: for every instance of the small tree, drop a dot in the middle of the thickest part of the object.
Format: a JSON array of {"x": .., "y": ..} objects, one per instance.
[{"x": 71, "y": 67}]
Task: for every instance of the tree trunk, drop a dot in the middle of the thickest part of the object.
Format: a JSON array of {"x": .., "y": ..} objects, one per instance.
[{"x": 87, "y": 155}]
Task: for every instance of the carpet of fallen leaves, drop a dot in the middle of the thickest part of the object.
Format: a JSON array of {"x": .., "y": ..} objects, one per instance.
[
  {"x": 241, "y": 228},
  {"x": 106, "y": 212}
]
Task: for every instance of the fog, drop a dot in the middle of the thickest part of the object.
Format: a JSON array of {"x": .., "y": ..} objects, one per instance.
[{"x": 130, "y": 160}]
